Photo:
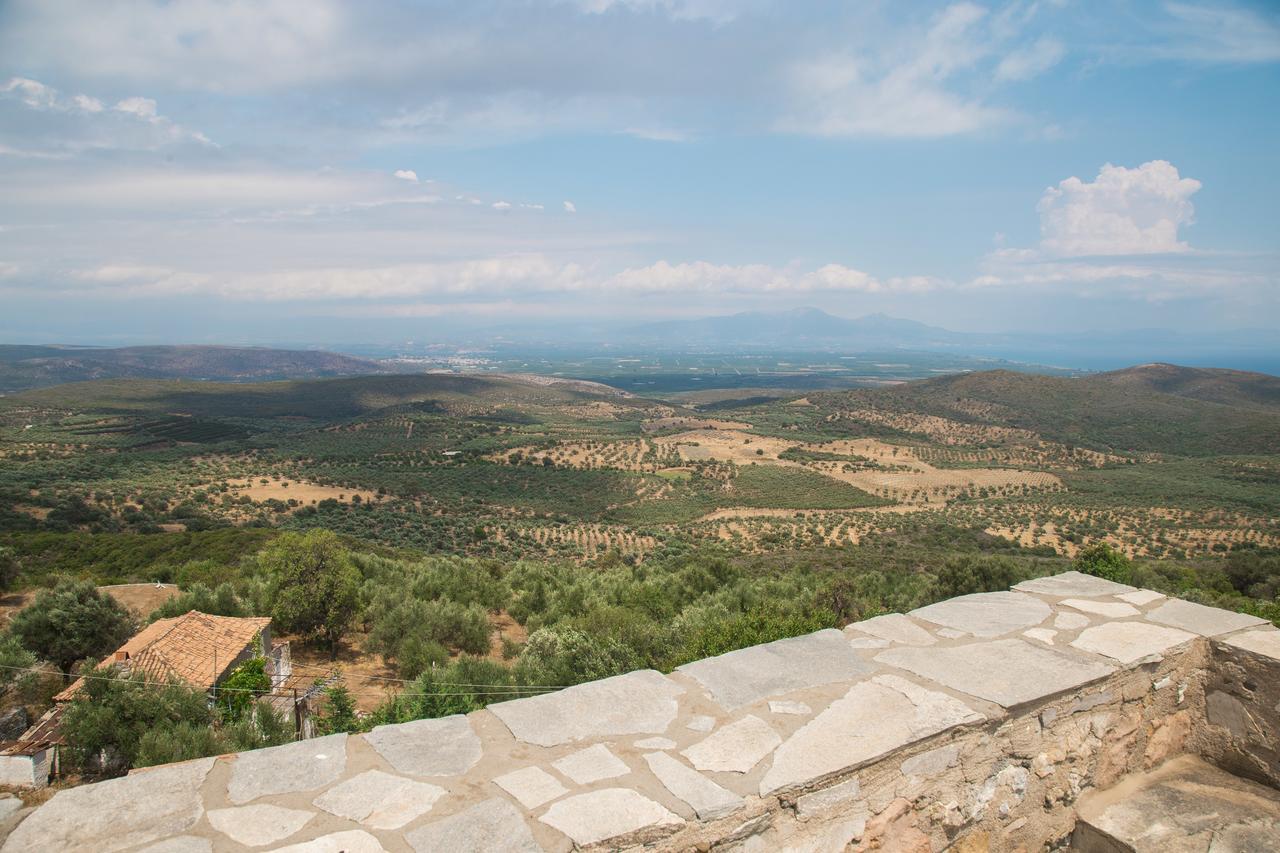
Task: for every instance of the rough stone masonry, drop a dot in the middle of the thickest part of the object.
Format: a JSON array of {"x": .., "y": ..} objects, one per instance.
[{"x": 975, "y": 723}]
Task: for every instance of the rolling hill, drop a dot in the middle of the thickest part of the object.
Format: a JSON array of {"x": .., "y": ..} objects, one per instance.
[
  {"x": 25, "y": 367},
  {"x": 1213, "y": 385},
  {"x": 1094, "y": 411}
]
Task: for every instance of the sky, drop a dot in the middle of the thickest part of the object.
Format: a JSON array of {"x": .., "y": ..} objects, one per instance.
[{"x": 276, "y": 171}]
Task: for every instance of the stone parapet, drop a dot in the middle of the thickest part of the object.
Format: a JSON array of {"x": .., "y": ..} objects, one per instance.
[{"x": 975, "y": 722}]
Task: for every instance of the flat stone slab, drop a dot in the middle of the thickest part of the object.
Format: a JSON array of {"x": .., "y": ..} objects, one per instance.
[
  {"x": 1184, "y": 806},
  {"x": 601, "y": 815},
  {"x": 489, "y": 826},
  {"x": 116, "y": 814},
  {"x": 1109, "y": 609},
  {"x": 1262, "y": 642},
  {"x": 1007, "y": 672},
  {"x": 351, "y": 841},
  {"x": 380, "y": 800},
  {"x": 872, "y": 719},
  {"x": 895, "y": 628},
  {"x": 1130, "y": 641},
  {"x": 655, "y": 743},
  {"x": 987, "y": 614},
  {"x": 641, "y": 702},
  {"x": 1070, "y": 621},
  {"x": 1202, "y": 620},
  {"x": 446, "y": 746},
  {"x": 701, "y": 723},
  {"x": 744, "y": 676},
  {"x": 301, "y": 766},
  {"x": 1073, "y": 583},
  {"x": 796, "y": 709},
  {"x": 532, "y": 786},
  {"x": 1140, "y": 597},
  {"x": 1044, "y": 635},
  {"x": 597, "y": 762},
  {"x": 734, "y": 748},
  {"x": 932, "y": 763},
  {"x": 259, "y": 824},
  {"x": 824, "y": 802},
  {"x": 707, "y": 799},
  {"x": 180, "y": 844}
]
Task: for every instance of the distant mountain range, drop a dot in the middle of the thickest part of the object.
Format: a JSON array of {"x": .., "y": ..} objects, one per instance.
[
  {"x": 23, "y": 367},
  {"x": 798, "y": 328},
  {"x": 803, "y": 328}
]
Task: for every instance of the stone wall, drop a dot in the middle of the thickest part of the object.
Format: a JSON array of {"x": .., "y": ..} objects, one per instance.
[{"x": 974, "y": 723}]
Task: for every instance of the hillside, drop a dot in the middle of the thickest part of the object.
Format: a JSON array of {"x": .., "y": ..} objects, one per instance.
[
  {"x": 1096, "y": 412},
  {"x": 1213, "y": 385},
  {"x": 26, "y": 367},
  {"x": 319, "y": 399}
]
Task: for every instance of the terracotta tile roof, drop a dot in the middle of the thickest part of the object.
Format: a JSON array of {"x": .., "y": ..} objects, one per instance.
[{"x": 196, "y": 648}]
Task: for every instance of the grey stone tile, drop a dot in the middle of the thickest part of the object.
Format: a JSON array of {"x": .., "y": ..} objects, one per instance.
[
  {"x": 986, "y": 614},
  {"x": 1044, "y": 635},
  {"x": 933, "y": 762},
  {"x": 1202, "y": 620},
  {"x": 796, "y": 709},
  {"x": 180, "y": 844},
  {"x": 446, "y": 746},
  {"x": 116, "y": 814},
  {"x": 1109, "y": 609},
  {"x": 532, "y": 786},
  {"x": 258, "y": 824},
  {"x": 707, "y": 799},
  {"x": 492, "y": 826},
  {"x": 1007, "y": 672},
  {"x": 1264, "y": 642},
  {"x": 747, "y": 675},
  {"x": 641, "y": 702},
  {"x": 701, "y": 723},
  {"x": 1130, "y": 641},
  {"x": 379, "y": 800},
  {"x": 823, "y": 802},
  {"x": 1073, "y": 584},
  {"x": 1140, "y": 597},
  {"x": 873, "y": 718},
  {"x": 597, "y": 762},
  {"x": 655, "y": 743},
  {"x": 736, "y": 748},
  {"x": 1070, "y": 621},
  {"x": 350, "y": 841},
  {"x": 301, "y": 766},
  {"x": 893, "y": 627},
  {"x": 600, "y": 815}
]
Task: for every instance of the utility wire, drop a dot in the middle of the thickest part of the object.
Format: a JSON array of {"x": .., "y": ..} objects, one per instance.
[{"x": 506, "y": 690}]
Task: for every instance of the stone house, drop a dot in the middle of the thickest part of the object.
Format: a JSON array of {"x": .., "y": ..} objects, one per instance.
[{"x": 196, "y": 648}]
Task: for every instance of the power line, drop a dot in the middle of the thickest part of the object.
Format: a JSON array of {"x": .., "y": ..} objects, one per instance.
[{"x": 505, "y": 690}]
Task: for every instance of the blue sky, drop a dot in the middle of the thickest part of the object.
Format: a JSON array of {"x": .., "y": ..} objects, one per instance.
[{"x": 334, "y": 172}]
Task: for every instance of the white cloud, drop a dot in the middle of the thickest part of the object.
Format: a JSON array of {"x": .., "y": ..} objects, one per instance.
[
  {"x": 700, "y": 276},
  {"x": 900, "y": 91},
  {"x": 141, "y": 107},
  {"x": 1031, "y": 61},
  {"x": 1219, "y": 34},
  {"x": 406, "y": 175},
  {"x": 502, "y": 205},
  {"x": 132, "y": 123},
  {"x": 570, "y": 207},
  {"x": 1121, "y": 212}
]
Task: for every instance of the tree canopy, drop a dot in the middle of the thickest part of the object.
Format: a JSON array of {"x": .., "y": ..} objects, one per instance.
[
  {"x": 314, "y": 585},
  {"x": 71, "y": 622}
]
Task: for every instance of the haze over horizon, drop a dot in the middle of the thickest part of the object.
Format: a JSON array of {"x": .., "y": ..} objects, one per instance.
[{"x": 230, "y": 172}]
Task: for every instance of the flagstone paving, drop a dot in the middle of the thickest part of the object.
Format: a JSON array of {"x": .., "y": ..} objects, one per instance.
[{"x": 643, "y": 755}]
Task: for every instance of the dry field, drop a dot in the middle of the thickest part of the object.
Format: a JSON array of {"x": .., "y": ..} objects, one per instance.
[{"x": 304, "y": 493}]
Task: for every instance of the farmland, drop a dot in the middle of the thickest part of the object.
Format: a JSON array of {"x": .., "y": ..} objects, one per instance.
[{"x": 518, "y": 530}]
